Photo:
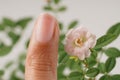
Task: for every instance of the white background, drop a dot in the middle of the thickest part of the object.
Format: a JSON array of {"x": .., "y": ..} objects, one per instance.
[{"x": 96, "y": 15}]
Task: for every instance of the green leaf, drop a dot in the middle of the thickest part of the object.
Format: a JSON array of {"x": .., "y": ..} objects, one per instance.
[
  {"x": 14, "y": 77},
  {"x": 62, "y": 37},
  {"x": 106, "y": 77},
  {"x": 2, "y": 45},
  {"x": 62, "y": 78},
  {"x": 110, "y": 64},
  {"x": 92, "y": 72},
  {"x": 47, "y": 8},
  {"x": 63, "y": 58},
  {"x": 23, "y": 22},
  {"x": 115, "y": 29},
  {"x": 101, "y": 67},
  {"x": 105, "y": 40},
  {"x": 61, "y": 9},
  {"x": 112, "y": 52},
  {"x": 8, "y": 22},
  {"x": 27, "y": 43},
  {"x": 116, "y": 77},
  {"x": 1, "y": 73},
  {"x": 5, "y": 50},
  {"x": 8, "y": 64},
  {"x": 14, "y": 37},
  {"x": 98, "y": 49},
  {"x": 72, "y": 24},
  {"x": 2, "y": 27},
  {"x": 74, "y": 65},
  {"x": 94, "y": 53},
  {"x": 75, "y": 76},
  {"x": 22, "y": 57},
  {"x": 60, "y": 70},
  {"x": 60, "y": 25},
  {"x": 22, "y": 67},
  {"x": 61, "y": 47},
  {"x": 56, "y": 1},
  {"x": 91, "y": 61}
]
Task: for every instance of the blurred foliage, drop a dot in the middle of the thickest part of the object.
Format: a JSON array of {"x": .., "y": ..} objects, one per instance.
[
  {"x": 88, "y": 69},
  {"x": 9, "y": 26},
  {"x": 54, "y": 6}
]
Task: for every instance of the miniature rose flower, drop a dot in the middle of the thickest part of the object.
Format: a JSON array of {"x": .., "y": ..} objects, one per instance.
[{"x": 78, "y": 42}]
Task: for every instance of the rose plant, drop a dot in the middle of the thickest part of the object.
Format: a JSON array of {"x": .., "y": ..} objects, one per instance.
[{"x": 80, "y": 52}]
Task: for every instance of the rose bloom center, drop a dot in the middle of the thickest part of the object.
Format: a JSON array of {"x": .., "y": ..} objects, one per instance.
[{"x": 79, "y": 41}]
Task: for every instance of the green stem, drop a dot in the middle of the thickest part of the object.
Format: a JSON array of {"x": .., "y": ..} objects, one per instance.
[
  {"x": 99, "y": 57},
  {"x": 85, "y": 67},
  {"x": 85, "y": 63}
]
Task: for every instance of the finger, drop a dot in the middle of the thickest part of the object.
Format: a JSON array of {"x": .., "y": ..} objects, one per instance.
[{"x": 41, "y": 61}]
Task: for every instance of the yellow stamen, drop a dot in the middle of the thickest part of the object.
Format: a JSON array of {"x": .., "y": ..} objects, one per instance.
[
  {"x": 78, "y": 42},
  {"x": 74, "y": 57}
]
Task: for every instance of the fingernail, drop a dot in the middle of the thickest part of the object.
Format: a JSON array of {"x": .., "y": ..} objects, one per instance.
[{"x": 45, "y": 28}]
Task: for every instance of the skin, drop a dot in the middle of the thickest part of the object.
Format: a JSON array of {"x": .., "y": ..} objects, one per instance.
[{"x": 41, "y": 61}]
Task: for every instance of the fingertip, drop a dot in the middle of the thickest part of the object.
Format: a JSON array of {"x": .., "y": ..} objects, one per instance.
[{"x": 43, "y": 47}]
